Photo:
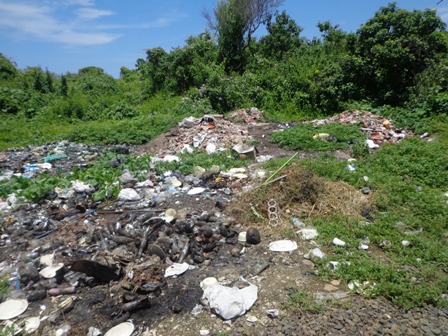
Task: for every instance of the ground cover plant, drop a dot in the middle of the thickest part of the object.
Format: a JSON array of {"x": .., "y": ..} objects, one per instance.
[{"x": 326, "y": 137}]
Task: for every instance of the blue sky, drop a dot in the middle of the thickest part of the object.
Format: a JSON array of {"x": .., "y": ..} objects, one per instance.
[{"x": 66, "y": 35}]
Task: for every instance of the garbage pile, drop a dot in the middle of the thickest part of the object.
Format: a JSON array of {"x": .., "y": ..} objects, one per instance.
[
  {"x": 59, "y": 253},
  {"x": 380, "y": 130},
  {"x": 211, "y": 132}
]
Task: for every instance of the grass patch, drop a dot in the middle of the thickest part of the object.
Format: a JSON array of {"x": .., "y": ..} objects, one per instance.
[
  {"x": 301, "y": 137},
  {"x": 299, "y": 299},
  {"x": 407, "y": 182}
]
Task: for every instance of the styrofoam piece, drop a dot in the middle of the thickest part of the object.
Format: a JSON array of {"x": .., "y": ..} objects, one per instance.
[
  {"x": 122, "y": 329},
  {"x": 12, "y": 308},
  {"x": 196, "y": 191},
  {"x": 50, "y": 271},
  {"x": 230, "y": 302},
  {"x": 170, "y": 215},
  {"x": 31, "y": 324},
  {"x": 47, "y": 259},
  {"x": 338, "y": 242},
  {"x": 283, "y": 246},
  {"x": 176, "y": 269},
  {"x": 171, "y": 158},
  {"x": 208, "y": 282},
  {"x": 128, "y": 194},
  {"x": 242, "y": 237}
]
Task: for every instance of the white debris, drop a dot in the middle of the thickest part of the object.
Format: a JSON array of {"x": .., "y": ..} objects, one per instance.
[
  {"x": 211, "y": 148},
  {"x": 122, "y": 329},
  {"x": 176, "y": 269},
  {"x": 314, "y": 254},
  {"x": 338, "y": 242},
  {"x": 128, "y": 194},
  {"x": 208, "y": 282},
  {"x": 196, "y": 191},
  {"x": 283, "y": 246},
  {"x": 230, "y": 302},
  {"x": 371, "y": 144},
  {"x": 308, "y": 234},
  {"x": 12, "y": 308}
]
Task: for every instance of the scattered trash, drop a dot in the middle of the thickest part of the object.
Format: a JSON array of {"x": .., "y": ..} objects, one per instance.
[
  {"x": 31, "y": 324},
  {"x": 308, "y": 234},
  {"x": 363, "y": 247},
  {"x": 371, "y": 144},
  {"x": 405, "y": 243},
  {"x": 208, "y": 282},
  {"x": 274, "y": 219},
  {"x": 176, "y": 269},
  {"x": 314, "y": 254},
  {"x": 273, "y": 313},
  {"x": 379, "y": 130},
  {"x": 196, "y": 191},
  {"x": 128, "y": 194},
  {"x": 122, "y": 329},
  {"x": 251, "y": 319},
  {"x": 242, "y": 237},
  {"x": 298, "y": 224},
  {"x": 283, "y": 246},
  {"x": 230, "y": 302},
  {"x": 12, "y": 308},
  {"x": 338, "y": 242},
  {"x": 50, "y": 271}
]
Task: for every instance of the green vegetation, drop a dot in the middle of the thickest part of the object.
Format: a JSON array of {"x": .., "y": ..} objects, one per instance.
[
  {"x": 306, "y": 302},
  {"x": 225, "y": 160},
  {"x": 407, "y": 181},
  {"x": 4, "y": 287},
  {"x": 301, "y": 137},
  {"x": 395, "y": 65}
]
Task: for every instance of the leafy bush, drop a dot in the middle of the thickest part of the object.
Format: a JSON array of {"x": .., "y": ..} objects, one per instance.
[{"x": 121, "y": 111}]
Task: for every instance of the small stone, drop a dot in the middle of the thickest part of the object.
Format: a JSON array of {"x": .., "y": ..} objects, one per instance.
[
  {"x": 330, "y": 288},
  {"x": 336, "y": 282},
  {"x": 204, "y": 332},
  {"x": 253, "y": 236},
  {"x": 251, "y": 318}
]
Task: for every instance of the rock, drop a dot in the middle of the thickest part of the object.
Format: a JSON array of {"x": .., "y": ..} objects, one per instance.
[
  {"x": 253, "y": 236},
  {"x": 330, "y": 288}
]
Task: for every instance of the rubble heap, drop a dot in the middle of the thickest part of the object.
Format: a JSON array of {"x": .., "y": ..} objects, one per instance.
[{"x": 380, "y": 130}]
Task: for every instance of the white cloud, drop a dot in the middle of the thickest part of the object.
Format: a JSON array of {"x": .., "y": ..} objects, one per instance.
[
  {"x": 39, "y": 21},
  {"x": 88, "y": 13}
]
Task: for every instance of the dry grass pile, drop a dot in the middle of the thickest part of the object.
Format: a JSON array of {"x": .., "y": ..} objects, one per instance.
[{"x": 300, "y": 194}]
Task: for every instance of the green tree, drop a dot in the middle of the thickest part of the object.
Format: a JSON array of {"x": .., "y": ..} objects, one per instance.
[
  {"x": 64, "y": 86},
  {"x": 8, "y": 70},
  {"x": 283, "y": 37},
  {"x": 391, "y": 50},
  {"x": 235, "y": 22}
]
